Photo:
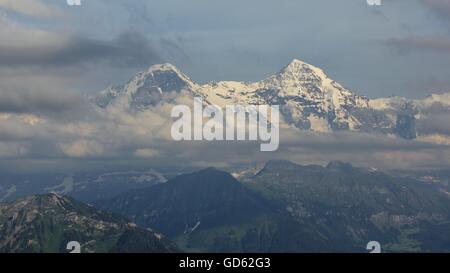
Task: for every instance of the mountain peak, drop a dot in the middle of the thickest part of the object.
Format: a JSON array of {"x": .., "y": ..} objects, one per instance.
[
  {"x": 147, "y": 87},
  {"x": 49, "y": 200},
  {"x": 297, "y": 62},
  {"x": 301, "y": 78},
  {"x": 309, "y": 99},
  {"x": 167, "y": 69},
  {"x": 280, "y": 164},
  {"x": 297, "y": 66},
  {"x": 207, "y": 175},
  {"x": 339, "y": 166},
  {"x": 163, "y": 67},
  {"x": 204, "y": 199},
  {"x": 48, "y": 197}
]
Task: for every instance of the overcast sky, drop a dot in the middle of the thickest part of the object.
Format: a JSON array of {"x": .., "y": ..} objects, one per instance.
[{"x": 400, "y": 48}]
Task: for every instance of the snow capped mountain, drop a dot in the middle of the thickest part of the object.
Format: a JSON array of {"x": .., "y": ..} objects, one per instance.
[
  {"x": 147, "y": 88},
  {"x": 314, "y": 101},
  {"x": 308, "y": 99}
]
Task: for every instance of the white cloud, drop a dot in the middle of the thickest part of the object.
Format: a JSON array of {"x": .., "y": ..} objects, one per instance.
[{"x": 35, "y": 8}]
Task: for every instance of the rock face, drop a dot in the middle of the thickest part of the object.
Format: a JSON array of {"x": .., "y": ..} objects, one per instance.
[
  {"x": 406, "y": 122},
  {"x": 308, "y": 99},
  {"x": 47, "y": 223}
]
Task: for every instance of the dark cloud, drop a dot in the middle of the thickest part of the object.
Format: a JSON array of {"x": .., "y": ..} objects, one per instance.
[
  {"x": 436, "y": 120},
  {"x": 133, "y": 49},
  {"x": 39, "y": 102},
  {"x": 439, "y": 124},
  {"x": 431, "y": 43},
  {"x": 138, "y": 12},
  {"x": 175, "y": 48},
  {"x": 128, "y": 49},
  {"x": 441, "y": 7}
]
